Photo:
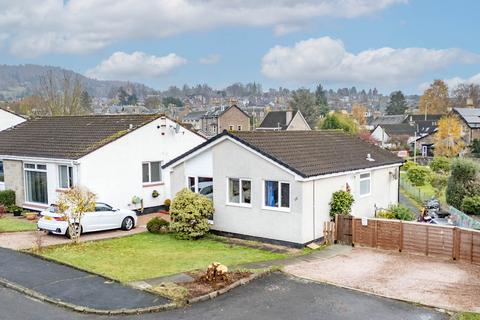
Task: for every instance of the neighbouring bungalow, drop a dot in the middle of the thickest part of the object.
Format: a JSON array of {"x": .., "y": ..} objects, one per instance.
[
  {"x": 9, "y": 119},
  {"x": 283, "y": 120},
  {"x": 118, "y": 157},
  {"x": 278, "y": 185}
]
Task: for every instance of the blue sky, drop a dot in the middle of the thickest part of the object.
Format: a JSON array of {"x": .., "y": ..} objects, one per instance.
[{"x": 339, "y": 46}]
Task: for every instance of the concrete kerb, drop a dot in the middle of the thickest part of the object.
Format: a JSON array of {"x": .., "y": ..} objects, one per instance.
[
  {"x": 34, "y": 294},
  {"x": 446, "y": 310}
]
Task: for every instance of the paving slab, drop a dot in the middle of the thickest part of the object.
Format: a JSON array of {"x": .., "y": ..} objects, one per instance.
[{"x": 70, "y": 285}]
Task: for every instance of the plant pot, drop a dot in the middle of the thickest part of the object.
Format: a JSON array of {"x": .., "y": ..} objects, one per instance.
[
  {"x": 17, "y": 213},
  {"x": 31, "y": 216}
]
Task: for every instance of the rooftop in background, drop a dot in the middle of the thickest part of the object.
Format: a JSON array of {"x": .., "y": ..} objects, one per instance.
[
  {"x": 309, "y": 153},
  {"x": 68, "y": 137},
  {"x": 470, "y": 115},
  {"x": 277, "y": 119},
  {"x": 401, "y": 129},
  {"x": 389, "y": 119}
]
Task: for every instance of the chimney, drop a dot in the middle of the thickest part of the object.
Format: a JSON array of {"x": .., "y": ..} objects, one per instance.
[
  {"x": 288, "y": 115},
  {"x": 470, "y": 103}
]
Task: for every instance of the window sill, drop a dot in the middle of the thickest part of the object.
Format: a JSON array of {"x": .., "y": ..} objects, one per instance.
[
  {"x": 364, "y": 195},
  {"x": 152, "y": 184},
  {"x": 286, "y": 210},
  {"x": 35, "y": 205},
  {"x": 241, "y": 205}
]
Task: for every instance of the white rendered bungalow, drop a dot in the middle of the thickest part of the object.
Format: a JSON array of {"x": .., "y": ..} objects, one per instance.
[
  {"x": 118, "y": 157},
  {"x": 278, "y": 185}
]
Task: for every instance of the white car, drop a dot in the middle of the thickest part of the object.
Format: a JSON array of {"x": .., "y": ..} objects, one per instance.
[{"x": 104, "y": 218}]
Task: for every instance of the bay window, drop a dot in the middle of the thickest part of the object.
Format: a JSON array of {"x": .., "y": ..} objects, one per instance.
[{"x": 277, "y": 194}]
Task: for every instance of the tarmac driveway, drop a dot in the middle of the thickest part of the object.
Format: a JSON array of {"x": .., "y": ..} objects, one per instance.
[{"x": 427, "y": 280}]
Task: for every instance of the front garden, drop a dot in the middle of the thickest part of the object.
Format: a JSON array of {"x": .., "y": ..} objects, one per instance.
[
  {"x": 149, "y": 255},
  {"x": 14, "y": 224}
]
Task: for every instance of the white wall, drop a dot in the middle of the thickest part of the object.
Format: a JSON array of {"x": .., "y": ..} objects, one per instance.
[
  {"x": 380, "y": 135},
  {"x": 298, "y": 123},
  {"x": 8, "y": 120},
  {"x": 114, "y": 172}
]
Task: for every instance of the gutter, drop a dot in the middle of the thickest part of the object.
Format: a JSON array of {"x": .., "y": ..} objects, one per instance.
[{"x": 39, "y": 159}]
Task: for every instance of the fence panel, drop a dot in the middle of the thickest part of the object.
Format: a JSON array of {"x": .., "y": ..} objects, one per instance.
[{"x": 418, "y": 238}]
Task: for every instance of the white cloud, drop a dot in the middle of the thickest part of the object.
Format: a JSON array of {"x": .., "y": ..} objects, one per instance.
[
  {"x": 326, "y": 59},
  {"x": 454, "y": 82},
  {"x": 36, "y": 27},
  {"x": 138, "y": 65},
  {"x": 210, "y": 59}
]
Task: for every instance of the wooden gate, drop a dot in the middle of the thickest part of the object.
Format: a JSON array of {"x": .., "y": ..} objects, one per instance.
[{"x": 344, "y": 229}]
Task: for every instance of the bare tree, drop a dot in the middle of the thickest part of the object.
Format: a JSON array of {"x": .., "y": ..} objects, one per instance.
[
  {"x": 466, "y": 91},
  {"x": 62, "y": 97},
  {"x": 73, "y": 204}
]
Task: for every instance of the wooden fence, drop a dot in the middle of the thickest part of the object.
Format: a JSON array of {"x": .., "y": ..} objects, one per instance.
[{"x": 420, "y": 238}]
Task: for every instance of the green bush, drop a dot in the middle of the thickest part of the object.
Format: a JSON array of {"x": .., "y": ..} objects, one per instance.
[
  {"x": 471, "y": 205},
  {"x": 475, "y": 148},
  {"x": 189, "y": 212},
  {"x": 7, "y": 197},
  {"x": 418, "y": 175},
  {"x": 341, "y": 203},
  {"x": 463, "y": 182},
  {"x": 440, "y": 165},
  {"x": 398, "y": 212},
  {"x": 158, "y": 225},
  {"x": 407, "y": 165},
  {"x": 439, "y": 182},
  {"x": 14, "y": 209}
]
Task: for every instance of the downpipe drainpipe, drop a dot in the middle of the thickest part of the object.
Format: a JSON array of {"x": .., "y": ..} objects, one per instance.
[{"x": 313, "y": 211}]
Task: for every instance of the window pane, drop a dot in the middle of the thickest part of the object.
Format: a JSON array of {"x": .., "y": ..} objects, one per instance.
[
  {"x": 271, "y": 193},
  {"x": 29, "y": 166},
  {"x": 191, "y": 183},
  {"x": 364, "y": 175},
  {"x": 63, "y": 177},
  {"x": 146, "y": 174},
  {"x": 2, "y": 178},
  {"x": 234, "y": 190},
  {"x": 205, "y": 186},
  {"x": 364, "y": 187},
  {"x": 246, "y": 191},
  {"x": 41, "y": 167},
  {"x": 155, "y": 171},
  {"x": 285, "y": 195},
  {"x": 36, "y": 186}
]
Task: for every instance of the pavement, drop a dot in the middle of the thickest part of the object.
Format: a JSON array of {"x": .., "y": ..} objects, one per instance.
[
  {"x": 409, "y": 204},
  {"x": 428, "y": 280},
  {"x": 70, "y": 285},
  {"x": 28, "y": 240},
  {"x": 277, "y": 296}
]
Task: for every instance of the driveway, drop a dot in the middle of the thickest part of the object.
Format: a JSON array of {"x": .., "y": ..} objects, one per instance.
[
  {"x": 27, "y": 240},
  {"x": 275, "y": 297},
  {"x": 427, "y": 280}
]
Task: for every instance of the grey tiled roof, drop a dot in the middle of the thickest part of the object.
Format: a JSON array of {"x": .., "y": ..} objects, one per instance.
[
  {"x": 275, "y": 119},
  {"x": 68, "y": 137},
  {"x": 402, "y": 129},
  {"x": 470, "y": 115},
  {"x": 309, "y": 153}
]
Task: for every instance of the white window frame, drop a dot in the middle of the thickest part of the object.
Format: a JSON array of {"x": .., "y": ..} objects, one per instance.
[
  {"x": 360, "y": 179},
  {"x": 239, "y": 128},
  {"x": 240, "y": 195},
  {"x": 70, "y": 178},
  {"x": 150, "y": 182},
  {"x": 279, "y": 208},
  {"x": 231, "y": 128},
  {"x": 36, "y": 169}
]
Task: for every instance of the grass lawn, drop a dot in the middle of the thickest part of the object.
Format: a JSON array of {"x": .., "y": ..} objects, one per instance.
[
  {"x": 467, "y": 316},
  {"x": 8, "y": 224},
  {"x": 148, "y": 255}
]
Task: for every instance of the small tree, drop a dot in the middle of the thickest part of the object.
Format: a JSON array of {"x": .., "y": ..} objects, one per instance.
[
  {"x": 448, "y": 139},
  {"x": 418, "y": 175},
  {"x": 341, "y": 203},
  {"x": 73, "y": 204},
  {"x": 463, "y": 181},
  {"x": 189, "y": 213},
  {"x": 440, "y": 165}
]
